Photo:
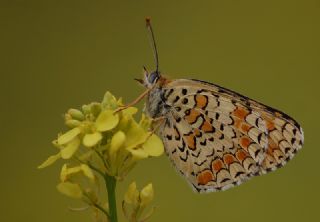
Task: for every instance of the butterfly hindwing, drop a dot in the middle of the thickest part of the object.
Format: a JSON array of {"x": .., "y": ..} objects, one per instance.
[{"x": 217, "y": 138}]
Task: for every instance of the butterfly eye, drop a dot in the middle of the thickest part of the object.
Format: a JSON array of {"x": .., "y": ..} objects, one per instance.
[{"x": 153, "y": 77}]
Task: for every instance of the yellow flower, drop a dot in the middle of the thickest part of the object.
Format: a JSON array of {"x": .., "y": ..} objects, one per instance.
[
  {"x": 116, "y": 141},
  {"x": 67, "y": 172}
]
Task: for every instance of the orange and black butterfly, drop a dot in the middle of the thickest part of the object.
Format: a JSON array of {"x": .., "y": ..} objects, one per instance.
[{"x": 217, "y": 138}]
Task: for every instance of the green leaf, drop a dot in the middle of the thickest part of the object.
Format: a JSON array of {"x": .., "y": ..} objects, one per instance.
[
  {"x": 153, "y": 146},
  {"x": 107, "y": 120},
  {"x": 68, "y": 136},
  {"x": 90, "y": 140},
  {"x": 70, "y": 189},
  {"x": 68, "y": 151},
  {"x": 50, "y": 161}
]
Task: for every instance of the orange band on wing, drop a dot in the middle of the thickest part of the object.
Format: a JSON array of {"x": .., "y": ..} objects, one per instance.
[
  {"x": 228, "y": 159},
  {"x": 241, "y": 113},
  {"x": 206, "y": 127},
  {"x": 193, "y": 116},
  {"x": 201, "y": 101},
  {"x": 190, "y": 141},
  {"x": 245, "y": 142},
  {"x": 241, "y": 155},
  {"x": 205, "y": 177},
  {"x": 217, "y": 165}
]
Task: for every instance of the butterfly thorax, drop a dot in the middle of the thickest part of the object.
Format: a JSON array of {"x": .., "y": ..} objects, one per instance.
[{"x": 155, "y": 104}]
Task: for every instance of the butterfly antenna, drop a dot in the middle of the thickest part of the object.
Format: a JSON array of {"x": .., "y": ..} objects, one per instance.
[{"x": 153, "y": 42}]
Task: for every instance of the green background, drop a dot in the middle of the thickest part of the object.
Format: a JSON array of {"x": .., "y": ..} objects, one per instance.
[{"x": 57, "y": 55}]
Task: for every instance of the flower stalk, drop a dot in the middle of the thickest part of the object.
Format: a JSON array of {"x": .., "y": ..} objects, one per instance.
[{"x": 111, "y": 183}]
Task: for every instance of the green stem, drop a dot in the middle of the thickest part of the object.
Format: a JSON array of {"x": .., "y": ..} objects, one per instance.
[{"x": 111, "y": 188}]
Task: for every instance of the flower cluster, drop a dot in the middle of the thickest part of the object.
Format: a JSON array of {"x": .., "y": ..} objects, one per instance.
[{"x": 102, "y": 140}]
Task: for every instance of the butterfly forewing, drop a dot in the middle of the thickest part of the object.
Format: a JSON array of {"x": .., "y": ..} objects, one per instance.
[{"x": 218, "y": 138}]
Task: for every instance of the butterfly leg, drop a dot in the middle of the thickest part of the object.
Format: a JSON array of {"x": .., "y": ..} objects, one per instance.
[
  {"x": 157, "y": 122},
  {"x": 138, "y": 99}
]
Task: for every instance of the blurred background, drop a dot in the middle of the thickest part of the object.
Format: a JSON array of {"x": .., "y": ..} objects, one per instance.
[{"x": 61, "y": 54}]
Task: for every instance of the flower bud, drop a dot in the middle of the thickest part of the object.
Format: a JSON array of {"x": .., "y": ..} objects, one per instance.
[
  {"x": 146, "y": 194},
  {"x": 132, "y": 194},
  {"x": 86, "y": 109},
  {"x": 72, "y": 123},
  {"x": 76, "y": 114},
  {"x": 95, "y": 108}
]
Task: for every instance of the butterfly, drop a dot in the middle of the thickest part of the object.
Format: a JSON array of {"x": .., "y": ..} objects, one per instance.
[{"x": 215, "y": 137}]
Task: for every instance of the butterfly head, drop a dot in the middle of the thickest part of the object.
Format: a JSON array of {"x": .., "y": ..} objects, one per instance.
[{"x": 149, "y": 79}]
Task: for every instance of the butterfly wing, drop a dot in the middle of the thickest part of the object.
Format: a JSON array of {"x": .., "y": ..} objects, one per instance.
[{"x": 218, "y": 138}]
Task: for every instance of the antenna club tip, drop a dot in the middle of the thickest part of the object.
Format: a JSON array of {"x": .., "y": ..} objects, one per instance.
[{"x": 148, "y": 20}]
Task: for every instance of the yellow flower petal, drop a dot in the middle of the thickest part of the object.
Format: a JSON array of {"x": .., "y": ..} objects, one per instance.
[
  {"x": 153, "y": 146},
  {"x": 135, "y": 135},
  {"x": 90, "y": 140},
  {"x": 50, "y": 161},
  {"x": 146, "y": 194},
  {"x": 70, "y": 189},
  {"x": 68, "y": 151},
  {"x": 132, "y": 194},
  {"x": 64, "y": 173},
  {"x": 68, "y": 136},
  {"x": 107, "y": 121},
  {"x": 87, "y": 171},
  {"x": 145, "y": 122},
  {"x": 116, "y": 142},
  {"x": 138, "y": 153},
  {"x": 130, "y": 111},
  {"x": 109, "y": 101}
]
